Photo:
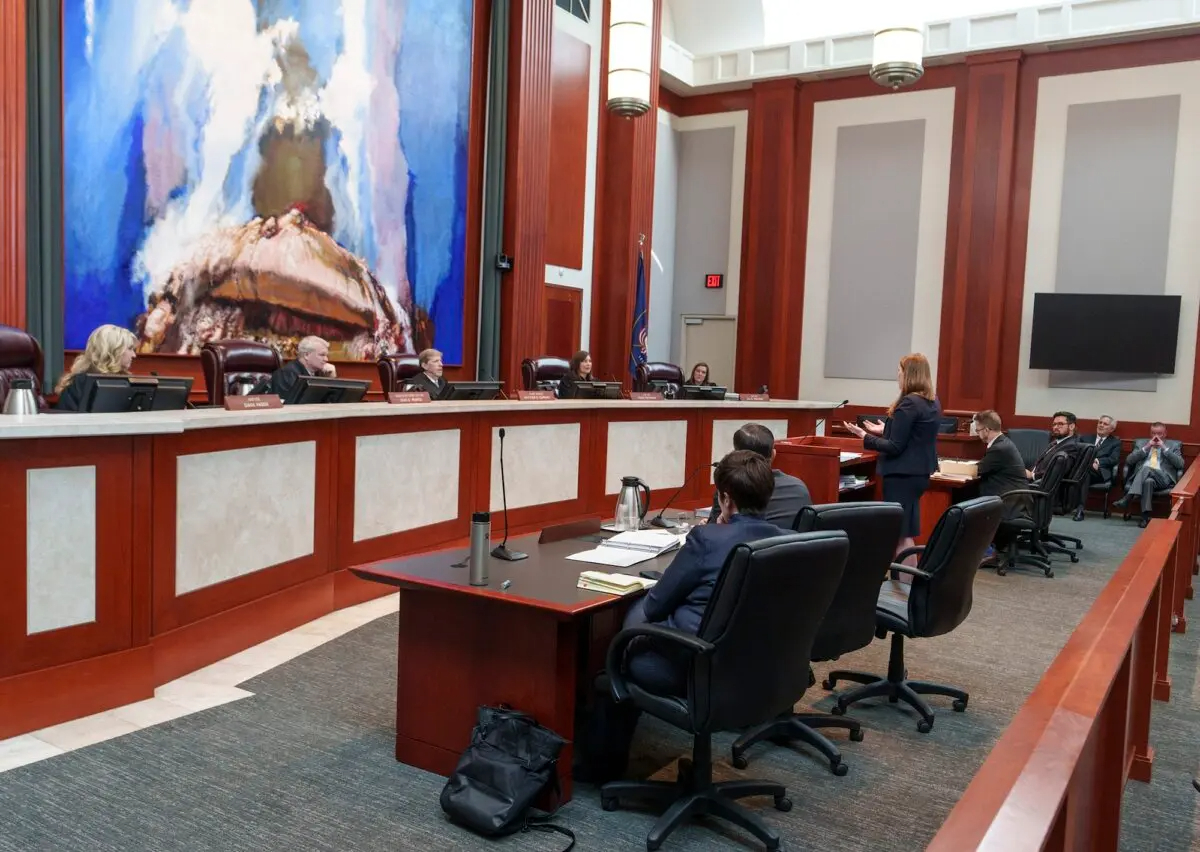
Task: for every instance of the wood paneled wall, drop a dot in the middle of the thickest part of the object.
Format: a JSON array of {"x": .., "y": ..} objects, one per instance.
[
  {"x": 12, "y": 162},
  {"x": 991, "y": 174},
  {"x": 564, "y": 321},
  {"x": 570, "y": 63}
]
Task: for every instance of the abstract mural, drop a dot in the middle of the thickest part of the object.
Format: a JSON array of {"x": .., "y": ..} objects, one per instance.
[{"x": 267, "y": 169}]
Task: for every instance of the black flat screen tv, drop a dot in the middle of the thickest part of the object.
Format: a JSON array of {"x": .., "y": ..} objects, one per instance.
[{"x": 1104, "y": 333}]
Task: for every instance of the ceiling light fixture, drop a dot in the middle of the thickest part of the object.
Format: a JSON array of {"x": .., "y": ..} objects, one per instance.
[
  {"x": 896, "y": 59},
  {"x": 630, "y": 50}
]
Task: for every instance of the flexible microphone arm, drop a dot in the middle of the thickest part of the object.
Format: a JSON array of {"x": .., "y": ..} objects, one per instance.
[
  {"x": 835, "y": 408},
  {"x": 661, "y": 522},
  {"x": 501, "y": 551}
]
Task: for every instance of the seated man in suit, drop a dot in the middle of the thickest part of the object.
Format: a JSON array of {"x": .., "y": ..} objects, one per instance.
[
  {"x": 1063, "y": 440},
  {"x": 678, "y": 600},
  {"x": 1001, "y": 470},
  {"x": 1108, "y": 452},
  {"x": 312, "y": 359},
  {"x": 1153, "y": 466},
  {"x": 790, "y": 494},
  {"x": 430, "y": 378}
]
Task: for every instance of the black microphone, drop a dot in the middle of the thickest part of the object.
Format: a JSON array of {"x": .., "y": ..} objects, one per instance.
[
  {"x": 835, "y": 408},
  {"x": 501, "y": 551},
  {"x": 659, "y": 520},
  {"x": 763, "y": 390},
  {"x": 499, "y": 390}
]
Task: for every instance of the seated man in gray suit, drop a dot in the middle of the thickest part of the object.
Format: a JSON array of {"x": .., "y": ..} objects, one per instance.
[
  {"x": 1151, "y": 467},
  {"x": 790, "y": 495}
]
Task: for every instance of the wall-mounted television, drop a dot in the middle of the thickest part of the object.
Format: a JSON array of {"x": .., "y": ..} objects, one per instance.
[{"x": 1104, "y": 333}]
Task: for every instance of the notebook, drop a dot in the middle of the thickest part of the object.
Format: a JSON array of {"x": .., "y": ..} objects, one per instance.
[{"x": 613, "y": 584}]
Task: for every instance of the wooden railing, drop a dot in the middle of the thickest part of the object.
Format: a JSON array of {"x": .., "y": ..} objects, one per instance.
[{"x": 1055, "y": 778}]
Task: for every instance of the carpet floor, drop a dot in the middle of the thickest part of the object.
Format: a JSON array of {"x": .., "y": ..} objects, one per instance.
[{"x": 307, "y": 764}]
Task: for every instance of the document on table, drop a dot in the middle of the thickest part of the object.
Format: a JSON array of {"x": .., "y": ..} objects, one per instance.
[
  {"x": 630, "y": 548},
  {"x": 845, "y": 457}
]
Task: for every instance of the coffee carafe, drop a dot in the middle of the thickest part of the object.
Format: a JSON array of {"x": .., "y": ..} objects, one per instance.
[
  {"x": 632, "y": 503},
  {"x": 20, "y": 399}
]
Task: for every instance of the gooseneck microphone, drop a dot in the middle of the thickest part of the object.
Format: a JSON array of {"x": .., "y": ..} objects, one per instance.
[
  {"x": 501, "y": 550},
  {"x": 661, "y": 522},
  {"x": 835, "y": 408}
]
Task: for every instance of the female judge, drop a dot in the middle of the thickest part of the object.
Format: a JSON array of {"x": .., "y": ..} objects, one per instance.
[
  {"x": 110, "y": 349},
  {"x": 906, "y": 442},
  {"x": 580, "y": 371},
  {"x": 699, "y": 375}
]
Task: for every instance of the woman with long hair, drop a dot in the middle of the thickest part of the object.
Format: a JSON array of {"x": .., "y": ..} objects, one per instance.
[
  {"x": 699, "y": 375},
  {"x": 906, "y": 442},
  {"x": 110, "y": 349},
  {"x": 579, "y": 371}
]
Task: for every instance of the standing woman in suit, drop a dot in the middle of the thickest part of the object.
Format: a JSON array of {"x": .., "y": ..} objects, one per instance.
[
  {"x": 907, "y": 442},
  {"x": 579, "y": 371}
]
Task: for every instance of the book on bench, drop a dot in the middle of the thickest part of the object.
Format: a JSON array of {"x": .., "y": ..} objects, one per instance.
[{"x": 613, "y": 584}]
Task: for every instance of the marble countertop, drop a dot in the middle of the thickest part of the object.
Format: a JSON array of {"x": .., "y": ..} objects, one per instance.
[{"x": 167, "y": 422}]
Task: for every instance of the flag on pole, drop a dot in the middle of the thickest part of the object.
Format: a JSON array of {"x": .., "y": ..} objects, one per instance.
[{"x": 637, "y": 341}]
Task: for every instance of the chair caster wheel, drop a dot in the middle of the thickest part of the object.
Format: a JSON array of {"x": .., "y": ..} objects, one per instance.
[
  {"x": 653, "y": 847},
  {"x": 783, "y": 803},
  {"x": 740, "y": 762},
  {"x": 960, "y": 705},
  {"x": 839, "y": 769},
  {"x": 608, "y": 803},
  {"x": 837, "y": 710},
  {"x": 1001, "y": 571},
  {"x": 856, "y": 735},
  {"x": 828, "y": 683},
  {"x": 1074, "y": 558},
  {"x": 1050, "y": 574},
  {"x": 1079, "y": 546},
  {"x": 924, "y": 727}
]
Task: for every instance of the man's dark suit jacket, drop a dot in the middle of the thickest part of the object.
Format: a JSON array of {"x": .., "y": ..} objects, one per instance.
[
  {"x": 789, "y": 497},
  {"x": 1002, "y": 470},
  {"x": 1108, "y": 453},
  {"x": 422, "y": 382},
  {"x": 1069, "y": 445},
  {"x": 909, "y": 441},
  {"x": 681, "y": 596},
  {"x": 284, "y": 379}
]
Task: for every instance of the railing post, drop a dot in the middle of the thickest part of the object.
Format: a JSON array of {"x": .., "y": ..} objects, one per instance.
[
  {"x": 1187, "y": 550},
  {"x": 1164, "y": 608},
  {"x": 1143, "y": 656}
]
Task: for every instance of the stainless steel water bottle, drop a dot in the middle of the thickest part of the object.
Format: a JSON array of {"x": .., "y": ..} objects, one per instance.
[{"x": 481, "y": 533}]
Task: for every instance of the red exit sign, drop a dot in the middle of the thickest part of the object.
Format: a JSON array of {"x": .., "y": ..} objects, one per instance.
[{"x": 714, "y": 282}]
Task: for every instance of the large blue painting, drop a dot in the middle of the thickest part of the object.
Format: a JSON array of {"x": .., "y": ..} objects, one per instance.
[{"x": 267, "y": 169}]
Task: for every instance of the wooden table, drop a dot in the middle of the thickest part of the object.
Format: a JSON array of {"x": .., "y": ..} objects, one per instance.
[{"x": 534, "y": 646}]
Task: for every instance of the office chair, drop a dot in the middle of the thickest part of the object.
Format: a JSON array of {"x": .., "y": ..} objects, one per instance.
[
  {"x": 936, "y": 602},
  {"x": 20, "y": 358},
  {"x": 1030, "y": 530},
  {"x": 1073, "y": 493},
  {"x": 543, "y": 373},
  {"x": 394, "y": 370},
  {"x": 1031, "y": 443},
  {"x": 849, "y": 624},
  {"x": 748, "y": 663},
  {"x": 1105, "y": 486},
  {"x": 657, "y": 371},
  {"x": 230, "y": 364},
  {"x": 1128, "y": 472}
]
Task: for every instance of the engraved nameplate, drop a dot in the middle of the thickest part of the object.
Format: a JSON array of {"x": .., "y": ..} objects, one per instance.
[
  {"x": 253, "y": 402},
  {"x": 408, "y": 397},
  {"x": 645, "y": 396},
  {"x": 754, "y": 397},
  {"x": 535, "y": 395}
]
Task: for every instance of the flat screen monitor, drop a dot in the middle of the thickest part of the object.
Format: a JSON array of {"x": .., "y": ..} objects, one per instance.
[
  {"x": 108, "y": 394},
  {"x": 597, "y": 390},
  {"x": 702, "y": 392},
  {"x": 1104, "y": 333},
  {"x": 471, "y": 390},
  {"x": 320, "y": 390}
]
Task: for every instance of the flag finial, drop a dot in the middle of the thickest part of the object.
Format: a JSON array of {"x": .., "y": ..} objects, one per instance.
[{"x": 641, "y": 240}]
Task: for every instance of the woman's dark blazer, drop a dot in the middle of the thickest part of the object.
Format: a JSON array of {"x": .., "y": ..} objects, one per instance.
[{"x": 908, "y": 445}]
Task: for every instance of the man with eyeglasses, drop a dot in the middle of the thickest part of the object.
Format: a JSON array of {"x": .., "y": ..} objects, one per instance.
[{"x": 1062, "y": 440}]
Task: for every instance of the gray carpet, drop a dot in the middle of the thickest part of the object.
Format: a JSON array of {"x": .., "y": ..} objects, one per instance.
[
  {"x": 306, "y": 764},
  {"x": 1164, "y": 815}
]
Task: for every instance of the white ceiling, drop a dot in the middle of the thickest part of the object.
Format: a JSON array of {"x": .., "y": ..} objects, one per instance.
[{"x": 712, "y": 26}]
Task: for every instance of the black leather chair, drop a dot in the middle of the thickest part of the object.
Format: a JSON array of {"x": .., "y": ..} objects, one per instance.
[
  {"x": 937, "y": 601},
  {"x": 1030, "y": 442},
  {"x": 395, "y": 369},
  {"x": 228, "y": 364},
  {"x": 1073, "y": 493},
  {"x": 748, "y": 663},
  {"x": 1105, "y": 487},
  {"x": 20, "y": 358},
  {"x": 543, "y": 373},
  {"x": 1027, "y": 535},
  {"x": 849, "y": 624},
  {"x": 657, "y": 371},
  {"x": 1128, "y": 471}
]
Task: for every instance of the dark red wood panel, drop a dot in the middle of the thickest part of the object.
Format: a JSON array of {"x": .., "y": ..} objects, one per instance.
[
  {"x": 564, "y": 320},
  {"x": 569, "y": 77},
  {"x": 12, "y": 162}
]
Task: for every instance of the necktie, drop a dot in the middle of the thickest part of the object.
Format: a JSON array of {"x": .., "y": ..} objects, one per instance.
[{"x": 1154, "y": 458}]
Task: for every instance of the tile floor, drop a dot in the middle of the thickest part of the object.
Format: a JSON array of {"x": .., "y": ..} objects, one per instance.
[{"x": 209, "y": 687}]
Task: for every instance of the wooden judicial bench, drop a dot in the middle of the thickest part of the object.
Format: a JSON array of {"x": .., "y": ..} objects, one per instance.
[{"x": 141, "y": 547}]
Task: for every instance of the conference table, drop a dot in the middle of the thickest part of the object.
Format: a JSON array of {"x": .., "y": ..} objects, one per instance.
[
  {"x": 141, "y": 547},
  {"x": 530, "y": 639}
]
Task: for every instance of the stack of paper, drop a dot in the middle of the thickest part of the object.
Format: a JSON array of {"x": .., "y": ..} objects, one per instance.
[
  {"x": 613, "y": 584},
  {"x": 630, "y": 548},
  {"x": 845, "y": 457}
]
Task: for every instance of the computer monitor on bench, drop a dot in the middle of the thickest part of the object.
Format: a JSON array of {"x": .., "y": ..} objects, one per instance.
[
  {"x": 320, "y": 390},
  {"x": 596, "y": 390},
  {"x": 109, "y": 394},
  {"x": 702, "y": 392},
  {"x": 471, "y": 390}
]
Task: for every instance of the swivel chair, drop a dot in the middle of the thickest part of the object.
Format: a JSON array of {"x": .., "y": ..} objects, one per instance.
[
  {"x": 657, "y": 371},
  {"x": 394, "y": 370},
  {"x": 1029, "y": 530},
  {"x": 543, "y": 373},
  {"x": 20, "y": 358},
  {"x": 230, "y": 364}
]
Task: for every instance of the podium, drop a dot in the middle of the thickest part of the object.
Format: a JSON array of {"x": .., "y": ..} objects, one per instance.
[{"x": 822, "y": 461}]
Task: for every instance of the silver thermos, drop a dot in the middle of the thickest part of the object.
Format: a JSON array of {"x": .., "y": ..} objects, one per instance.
[
  {"x": 20, "y": 399},
  {"x": 481, "y": 533}
]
